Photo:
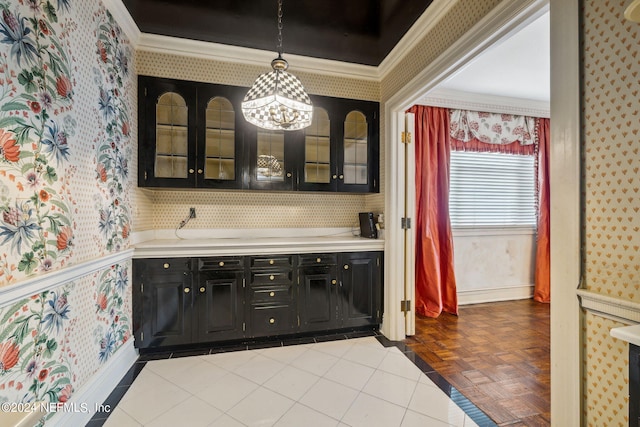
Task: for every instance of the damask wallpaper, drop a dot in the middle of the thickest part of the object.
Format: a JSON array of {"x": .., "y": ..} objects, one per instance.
[{"x": 67, "y": 120}]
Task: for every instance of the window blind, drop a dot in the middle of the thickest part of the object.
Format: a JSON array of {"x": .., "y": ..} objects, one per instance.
[{"x": 492, "y": 190}]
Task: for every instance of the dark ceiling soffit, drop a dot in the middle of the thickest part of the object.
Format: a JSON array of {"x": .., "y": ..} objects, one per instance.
[{"x": 356, "y": 31}]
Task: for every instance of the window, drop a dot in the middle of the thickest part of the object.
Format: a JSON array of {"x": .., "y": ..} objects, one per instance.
[{"x": 492, "y": 190}]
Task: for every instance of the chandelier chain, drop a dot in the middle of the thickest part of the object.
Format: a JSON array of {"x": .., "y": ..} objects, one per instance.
[{"x": 279, "y": 27}]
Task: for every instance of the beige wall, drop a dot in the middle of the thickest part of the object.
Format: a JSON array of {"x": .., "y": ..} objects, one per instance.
[
  {"x": 611, "y": 264},
  {"x": 234, "y": 209}
]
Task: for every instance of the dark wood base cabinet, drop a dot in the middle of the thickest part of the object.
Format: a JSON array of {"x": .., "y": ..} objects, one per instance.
[
  {"x": 634, "y": 385},
  {"x": 182, "y": 301}
]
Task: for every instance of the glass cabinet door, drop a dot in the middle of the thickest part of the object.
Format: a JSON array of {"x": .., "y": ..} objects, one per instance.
[
  {"x": 269, "y": 165},
  {"x": 356, "y": 148},
  {"x": 220, "y": 152},
  {"x": 317, "y": 149},
  {"x": 172, "y": 140}
]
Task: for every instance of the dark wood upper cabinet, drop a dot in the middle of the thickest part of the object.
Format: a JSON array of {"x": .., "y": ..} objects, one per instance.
[{"x": 193, "y": 135}]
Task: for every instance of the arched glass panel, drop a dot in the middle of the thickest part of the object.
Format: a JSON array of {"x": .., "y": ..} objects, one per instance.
[
  {"x": 317, "y": 151},
  {"x": 355, "y": 148},
  {"x": 171, "y": 136},
  {"x": 220, "y": 150}
]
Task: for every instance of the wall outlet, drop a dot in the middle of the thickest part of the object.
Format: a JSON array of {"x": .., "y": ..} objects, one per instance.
[{"x": 192, "y": 212}]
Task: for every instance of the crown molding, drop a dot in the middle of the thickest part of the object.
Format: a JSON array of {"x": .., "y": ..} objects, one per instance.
[
  {"x": 449, "y": 98},
  {"x": 243, "y": 55},
  {"x": 124, "y": 19},
  {"x": 437, "y": 9}
]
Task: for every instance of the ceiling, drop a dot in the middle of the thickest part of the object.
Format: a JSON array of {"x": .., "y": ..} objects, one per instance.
[
  {"x": 518, "y": 67},
  {"x": 356, "y": 31}
]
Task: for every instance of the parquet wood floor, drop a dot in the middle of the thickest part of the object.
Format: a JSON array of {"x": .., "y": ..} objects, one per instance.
[{"x": 496, "y": 355}]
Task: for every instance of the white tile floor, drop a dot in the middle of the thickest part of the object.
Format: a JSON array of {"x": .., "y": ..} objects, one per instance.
[{"x": 355, "y": 382}]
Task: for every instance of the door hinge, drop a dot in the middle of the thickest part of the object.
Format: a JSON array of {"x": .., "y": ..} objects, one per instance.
[
  {"x": 145, "y": 175},
  {"x": 405, "y": 223},
  {"x": 244, "y": 282},
  {"x": 378, "y": 261},
  {"x": 145, "y": 91},
  {"x": 298, "y": 321},
  {"x": 378, "y": 314},
  {"x": 406, "y": 137},
  {"x": 141, "y": 287},
  {"x": 244, "y": 327},
  {"x": 141, "y": 336},
  {"x": 405, "y": 306}
]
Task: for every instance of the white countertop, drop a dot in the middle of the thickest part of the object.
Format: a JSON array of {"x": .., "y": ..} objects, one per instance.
[
  {"x": 258, "y": 242},
  {"x": 630, "y": 334}
]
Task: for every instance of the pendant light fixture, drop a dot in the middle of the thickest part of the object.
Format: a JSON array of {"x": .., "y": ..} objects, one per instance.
[{"x": 277, "y": 100}]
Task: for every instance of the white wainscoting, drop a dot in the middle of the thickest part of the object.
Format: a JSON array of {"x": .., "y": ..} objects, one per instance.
[{"x": 494, "y": 265}]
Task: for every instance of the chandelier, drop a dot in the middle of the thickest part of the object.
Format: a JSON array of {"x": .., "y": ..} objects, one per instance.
[{"x": 277, "y": 100}]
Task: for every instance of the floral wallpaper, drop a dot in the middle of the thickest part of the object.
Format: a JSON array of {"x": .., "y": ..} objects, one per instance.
[
  {"x": 36, "y": 126},
  {"x": 113, "y": 141},
  {"x": 67, "y": 126}
]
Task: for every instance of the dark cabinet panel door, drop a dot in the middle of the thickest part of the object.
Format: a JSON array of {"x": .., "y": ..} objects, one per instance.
[
  {"x": 219, "y": 305},
  {"x": 220, "y": 136},
  {"x": 318, "y": 298},
  {"x": 166, "y": 298},
  {"x": 358, "y": 150},
  {"x": 360, "y": 288},
  {"x": 167, "y": 133},
  {"x": 272, "y": 157}
]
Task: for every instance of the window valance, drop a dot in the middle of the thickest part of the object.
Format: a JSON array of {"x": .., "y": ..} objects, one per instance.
[{"x": 492, "y": 128}]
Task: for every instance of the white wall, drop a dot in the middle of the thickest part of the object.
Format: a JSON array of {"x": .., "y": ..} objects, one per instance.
[{"x": 495, "y": 265}]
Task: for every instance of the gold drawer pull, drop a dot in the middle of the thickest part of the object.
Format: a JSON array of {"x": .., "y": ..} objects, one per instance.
[
  {"x": 272, "y": 294},
  {"x": 200, "y": 171},
  {"x": 318, "y": 260},
  {"x": 166, "y": 265},
  {"x": 333, "y": 282},
  {"x": 221, "y": 263},
  {"x": 187, "y": 290},
  {"x": 202, "y": 289},
  {"x": 191, "y": 171},
  {"x": 272, "y": 320},
  {"x": 272, "y": 277},
  {"x": 271, "y": 262},
  {"x": 346, "y": 266}
]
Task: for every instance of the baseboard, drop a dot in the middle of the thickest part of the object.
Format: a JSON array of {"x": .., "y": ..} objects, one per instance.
[
  {"x": 82, "y": 405},
  {"x": 477, "y": 296}
]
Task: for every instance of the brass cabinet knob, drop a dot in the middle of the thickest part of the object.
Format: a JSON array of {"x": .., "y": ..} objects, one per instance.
[
  {"x": 191, "y": 171},
  {"x": 187, "y": 290},
  {"x": 334, "y": 176},
  {"x": 346, "y": 266},
  {"x": 341, "y": 176},
  {"x": 221, "y": 263},
  {"x": 288, "y": 174},
  {"x": 272, "y": 294},
  {"x": 318, "y": 259},
  {"x": 272, "y": 320},
  {"x": 272, "y": 277},
  {"x": 271, "y": 262},
  {"x": 202, "y": 289},
  {"x": 200, "y": 171},
  {"x": 166, "y": 265},
  {"x": 333, "y": 282}
]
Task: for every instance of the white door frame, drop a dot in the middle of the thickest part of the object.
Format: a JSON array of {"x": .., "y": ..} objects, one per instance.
[{"x": 506, "y": 18}]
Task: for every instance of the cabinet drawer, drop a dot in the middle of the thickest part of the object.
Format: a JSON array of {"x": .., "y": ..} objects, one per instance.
[
  {"x": 218, "y": 263},
  {"x": 318, "y": 259},
  {"x": 271, "y": 319},
  {"x": 271, "y": 277},
  {"x": 271, "y": 262},
  {"x": 271, "y": 294},
  {"x": 166, "y": 265}
]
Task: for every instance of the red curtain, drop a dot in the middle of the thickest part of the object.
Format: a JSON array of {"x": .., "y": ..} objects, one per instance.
[
  {"x": 542, "y": 289},
  {"x": 435, "y": 278}
]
